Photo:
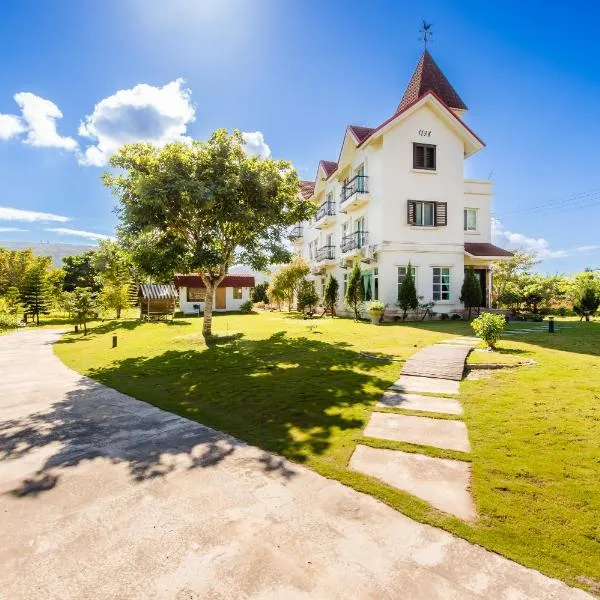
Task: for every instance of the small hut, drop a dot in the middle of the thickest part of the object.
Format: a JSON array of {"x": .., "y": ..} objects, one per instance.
[{"x": 157, "y": 301}]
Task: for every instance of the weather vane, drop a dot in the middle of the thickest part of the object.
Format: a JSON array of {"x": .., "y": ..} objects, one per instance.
[{"x": 426, "y": 33}]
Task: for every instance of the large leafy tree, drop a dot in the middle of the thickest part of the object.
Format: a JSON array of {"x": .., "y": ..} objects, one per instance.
[
  {"x": 14, "y": 266},
  {"x": 79, "y": 271},
  {"x": 203, "y": 206},
  {"x": 509, "y": 271},
  {"x": 307, "y": 295},
  {"x": 286, "y": 280},
  {"x": 113, "y": 264}
]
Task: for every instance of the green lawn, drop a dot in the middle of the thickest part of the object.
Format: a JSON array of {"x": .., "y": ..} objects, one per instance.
[{"x": 302, "y": 389}]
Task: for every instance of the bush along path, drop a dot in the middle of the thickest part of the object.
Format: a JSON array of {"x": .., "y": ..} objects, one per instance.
[{"x": 427, "y": 443}]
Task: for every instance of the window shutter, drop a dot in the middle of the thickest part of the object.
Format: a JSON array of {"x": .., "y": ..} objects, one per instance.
[
  {"x": 412, "y": 209},
  {"x": 418, "y": 156},
  {"x": 430, "y": 157},
  {"x": 441, "y": 213}
]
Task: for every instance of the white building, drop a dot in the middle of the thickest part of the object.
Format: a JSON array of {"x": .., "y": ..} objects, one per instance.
[
  {"x": 229, "y": 295},
  {"x": 397, "y": 195}
]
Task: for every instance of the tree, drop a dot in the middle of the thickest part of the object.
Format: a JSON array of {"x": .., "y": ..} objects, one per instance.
[
  {"x": 13, "y": 300},
  {"x": 79, "y": 271},
  {"x": 355, "y": 293},
  {"x": 275, "y": 293},
  {"x": 587, "y": 302},
  {"x": 330, "y": 295},
  {"x": 307, "y": 295},
  {"x": 470, "y": 293},
  {"x": 259, "y": 293},
  {"x": 14, "y": 266},
  {"x": 55, "y": 284},
  {"x": 36, "y": 292},
  {"x": 205, "y": 206},
  {"x": 83, "y": 306},
  {"x": 407, "y": 295},
  {"x": 113, "y": 265},
  {"x": 288, "y": 278},
  {"x": 509, "y": 270}
]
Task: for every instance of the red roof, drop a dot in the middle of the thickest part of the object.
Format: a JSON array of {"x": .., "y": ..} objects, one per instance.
[
  {"x": 307, "y": 188},
  {"x": 428, "y": 77},
  {"x": 329, "y": 167},
  {"x": 361, "y": 133},
  {"x": 485, "y": 250},
  {"x": 228, "y": 281}
]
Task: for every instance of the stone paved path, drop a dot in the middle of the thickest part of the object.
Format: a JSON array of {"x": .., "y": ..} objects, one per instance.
[
  {"x": 439, "y": 361},
  {"x": 104, "y": 496}
]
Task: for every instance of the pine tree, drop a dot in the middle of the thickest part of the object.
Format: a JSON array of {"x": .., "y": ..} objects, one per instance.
[
  {"x": 470, "y": 293},
  {"x": 330, "y": 295},
  {"x": 36, "y": 291},
  {"x": 407, "y": 295},
  {"x": 355, "y": 293},
  {"x": 83, "y": 306}
]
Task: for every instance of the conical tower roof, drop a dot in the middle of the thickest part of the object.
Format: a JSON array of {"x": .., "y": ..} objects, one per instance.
[{"x": 429, "y": 77}]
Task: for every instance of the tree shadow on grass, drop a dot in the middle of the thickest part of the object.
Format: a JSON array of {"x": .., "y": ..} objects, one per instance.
[{"x": 286, "y": 395}]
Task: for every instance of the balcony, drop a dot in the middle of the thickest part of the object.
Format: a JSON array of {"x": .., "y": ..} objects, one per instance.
[
  {"x": 325, "y": 253},
  {"x": 325, "y": 215},
  {"x": 353, "y": 242},
  {"x": 296, "y": 233},
  {"x": 355, "y": 193}
]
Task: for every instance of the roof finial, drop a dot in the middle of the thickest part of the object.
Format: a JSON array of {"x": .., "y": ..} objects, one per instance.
[{"x": 426, "y": 32}]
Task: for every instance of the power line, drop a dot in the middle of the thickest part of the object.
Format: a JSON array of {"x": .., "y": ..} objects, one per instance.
[{"x": 581, "y": 200}]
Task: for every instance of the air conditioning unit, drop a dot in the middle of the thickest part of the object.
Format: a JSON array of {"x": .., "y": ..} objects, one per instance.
[{"x": 367, "y": 254}]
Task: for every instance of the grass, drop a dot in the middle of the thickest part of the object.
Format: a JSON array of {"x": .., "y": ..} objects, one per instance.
[{"x": 302, "y": 389}]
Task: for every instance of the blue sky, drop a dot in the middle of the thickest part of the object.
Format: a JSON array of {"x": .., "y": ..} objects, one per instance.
[{"x": 297, "y": 72}]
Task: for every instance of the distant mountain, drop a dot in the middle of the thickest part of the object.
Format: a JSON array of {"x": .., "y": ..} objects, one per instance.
[{"x": 56, "y": 251}]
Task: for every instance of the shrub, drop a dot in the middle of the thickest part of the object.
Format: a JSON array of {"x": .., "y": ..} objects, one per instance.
[
  {"x": 8, "y": 321},
  {"x": 247, "y": 306},
  {"x": 355, "y": 293},
  {"x": 330, "y": 296},
  {"x": 407, "y": 295},
  {"x": 489, "y": 328},
  {"x": 259, "y": 293},
  {"x": 587, "y": 302},
  {"x": 470, "y": 293},
  {"x": 375, "y": 306}
]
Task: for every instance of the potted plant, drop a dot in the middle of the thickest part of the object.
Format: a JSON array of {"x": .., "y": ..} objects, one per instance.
[{"x": 376, "y": 310}]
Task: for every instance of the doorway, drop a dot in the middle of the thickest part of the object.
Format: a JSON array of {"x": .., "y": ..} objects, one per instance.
[{"x": 221, "y": 298}]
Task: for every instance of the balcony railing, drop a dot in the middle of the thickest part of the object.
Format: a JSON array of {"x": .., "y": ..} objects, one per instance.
[
  {"x": 325, "y": 253},
  {"x": 326, "y": 209},
  {"x": 357, "y": 185},
  {"x": 354, "y": 241},
  {"x": 296, "y": 232}
]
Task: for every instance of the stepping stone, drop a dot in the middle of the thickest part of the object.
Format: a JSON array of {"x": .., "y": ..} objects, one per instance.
[
  {"x": 442, "y": 482},
  {"x": 431, "y": 385},
  {"x": 415, "y": 402},
  {"x": 441, "y": 433}
]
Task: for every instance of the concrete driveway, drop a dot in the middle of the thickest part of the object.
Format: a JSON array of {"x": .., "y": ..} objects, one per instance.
[{"x": 104, "y": 496}]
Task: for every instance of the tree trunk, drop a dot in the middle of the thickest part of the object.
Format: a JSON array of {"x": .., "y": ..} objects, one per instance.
[
  {"x": 469, "y": 313},
  {"x": 84, "y": 328},
  {"x": 119, "y": 312},
  {"x": 587, "y": 317},
  {"x": 208, "y": 310}
]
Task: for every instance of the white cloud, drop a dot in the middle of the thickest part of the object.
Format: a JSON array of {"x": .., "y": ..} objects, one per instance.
[
  {"x": 79, "y": 233},
  {"x": 40, "y": 116},
  {"x": 7, "y": 229},
  {"x": 541, "y": 246},
  {"x": 142, "y": 113},
  {"x": 10, "y": 126},
  {"x": 16, "y": 214},
  {"x": 254, "y": 144}
]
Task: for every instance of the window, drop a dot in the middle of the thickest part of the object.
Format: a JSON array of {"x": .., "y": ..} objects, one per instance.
[
  {"x": 312, "y": 250},
  {"x": 470, "y": 219},
  {"x": 424, "y": 156},
  {"x": 402, "y": 275},
  {"x": 367, "y": 280},
  {"x": 360, "y": 229},
  {"x": 345, "y": 283},
  {"x": 237, "y": 293},
  {"x": 427, "y": 214},
  {"x": 375, "y": 283},
  {"x": 196, "y": 294},
  {"x": 441, "y": 283},
  {"x": 329, "y": 199}
]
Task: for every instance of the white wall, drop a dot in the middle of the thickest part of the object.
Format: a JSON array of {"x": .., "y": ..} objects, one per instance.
[{"x": 230, "y": 303}]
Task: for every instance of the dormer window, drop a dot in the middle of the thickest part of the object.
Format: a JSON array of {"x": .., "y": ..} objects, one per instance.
[{"x": 424, "y": 157}]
